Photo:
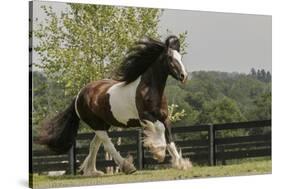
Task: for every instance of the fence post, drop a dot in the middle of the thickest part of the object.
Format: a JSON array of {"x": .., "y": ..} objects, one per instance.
[
  {"x": 72, "y": 159},
  {"x": 212, "y": 147},
  {"x": 139, "y": 150}
]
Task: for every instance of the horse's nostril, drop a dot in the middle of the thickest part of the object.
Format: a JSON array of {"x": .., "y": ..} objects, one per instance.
[{"x": 182, "y": 76}]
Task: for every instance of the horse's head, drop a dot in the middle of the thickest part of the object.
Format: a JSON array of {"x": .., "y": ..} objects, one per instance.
[{"x": 175, "y": 65}]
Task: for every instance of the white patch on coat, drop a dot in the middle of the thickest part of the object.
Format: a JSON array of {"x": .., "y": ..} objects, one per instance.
[
  {"x": 177, "y": 56},
  {"x": 122, "y": 101}
]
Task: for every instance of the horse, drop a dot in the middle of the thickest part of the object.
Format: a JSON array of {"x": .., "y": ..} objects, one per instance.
[{"x": 135, "y": 98}]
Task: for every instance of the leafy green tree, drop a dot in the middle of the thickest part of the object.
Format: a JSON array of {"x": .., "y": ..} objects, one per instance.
[
  {"x": 88, "y": 42},
  {"x": 40, "y": 100},
  {"x": 263, "y": 106},
  {"x": 196, "y": 99},
  {"x": 204, "y": 83},
  {"x": 45, "y": 95},
  {"x": 221, "y": 111},
  {"x": 191, "y": 117}
]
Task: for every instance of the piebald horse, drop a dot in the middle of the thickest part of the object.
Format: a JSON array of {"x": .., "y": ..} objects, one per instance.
[{"x": 135, "y": 99}]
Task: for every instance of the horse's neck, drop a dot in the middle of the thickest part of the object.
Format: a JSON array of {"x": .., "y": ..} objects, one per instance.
[{"x": 155, "y": 78}]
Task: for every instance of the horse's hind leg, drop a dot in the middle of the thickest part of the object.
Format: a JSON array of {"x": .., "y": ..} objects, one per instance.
[
  {"x": 125, "y": 165},
  {"x": 89, "y": 165}
]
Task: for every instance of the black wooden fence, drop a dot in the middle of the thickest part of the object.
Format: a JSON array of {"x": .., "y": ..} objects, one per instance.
[{"x": 203, "y": 144}]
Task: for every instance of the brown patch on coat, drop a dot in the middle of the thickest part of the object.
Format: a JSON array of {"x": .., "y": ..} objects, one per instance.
[
  {"x": 150, "y": 99},
  {"x": 93, "y": 105}
]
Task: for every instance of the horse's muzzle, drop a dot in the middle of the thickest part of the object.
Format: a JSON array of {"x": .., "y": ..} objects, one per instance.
[{"x": 183, "y": 78}]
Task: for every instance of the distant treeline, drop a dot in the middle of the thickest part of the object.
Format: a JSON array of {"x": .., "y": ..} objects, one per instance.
[
  {"x": 221, "y": 97},
  {"x": 261, "y": 75}
]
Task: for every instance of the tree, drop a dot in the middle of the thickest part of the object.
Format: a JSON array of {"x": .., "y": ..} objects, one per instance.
[
  {"x": 223, "y": 110},
  {"x": 263, "y": 106},
  {"x": 253, "y": 73},
  {"x": 196, "y": 99},
  {"x": 88, "y": 42},
  {"x": 40, "y": 100},
  {"x": 262, "y": 75},
  {"x": 45, "y": 95},
  {"x": 268, "y": 76}
]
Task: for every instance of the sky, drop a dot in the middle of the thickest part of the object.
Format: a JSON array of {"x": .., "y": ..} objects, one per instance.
[
  {"x": 222, "y": 41},
  {"x": 225, "y": 42}
]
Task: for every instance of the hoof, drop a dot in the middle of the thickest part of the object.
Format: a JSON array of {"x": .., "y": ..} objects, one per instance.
[
  {"x": 182, "y": 164},
  {"x": 130, "y": 170},
  {"x": 127, "y": 167},
  {"x": 94, "y": 173}
]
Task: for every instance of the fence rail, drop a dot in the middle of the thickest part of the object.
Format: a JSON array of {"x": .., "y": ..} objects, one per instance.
[{"x": 213, "y": 146}]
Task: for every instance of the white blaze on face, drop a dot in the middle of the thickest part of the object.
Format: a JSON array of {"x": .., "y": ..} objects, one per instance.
[
  {"x": 122, "y": 101},
  {"x": 177, "y": 56}
]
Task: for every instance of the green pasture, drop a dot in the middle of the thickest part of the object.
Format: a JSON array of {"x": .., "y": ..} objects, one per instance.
[{"x": 246, "y": 168}]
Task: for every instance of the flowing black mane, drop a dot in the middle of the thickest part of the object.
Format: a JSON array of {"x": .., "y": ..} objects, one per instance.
[{"x": 141, "y": 56}]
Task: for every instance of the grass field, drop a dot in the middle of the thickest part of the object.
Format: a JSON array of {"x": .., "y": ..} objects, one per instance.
[{"x": 248, "y": 168}]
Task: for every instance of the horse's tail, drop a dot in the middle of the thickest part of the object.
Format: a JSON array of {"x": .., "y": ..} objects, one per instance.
[{"x": 59, "y": 132}]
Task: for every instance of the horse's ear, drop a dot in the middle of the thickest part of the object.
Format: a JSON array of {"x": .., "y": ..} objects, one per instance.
[{"x": 173, "y": 42}]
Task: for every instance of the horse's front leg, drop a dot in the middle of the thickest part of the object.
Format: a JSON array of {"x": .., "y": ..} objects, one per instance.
[
  {"x": 126, "y": 165},
  {"x": 154, "y": 137},
  {"x": 177, "y": 160}
]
